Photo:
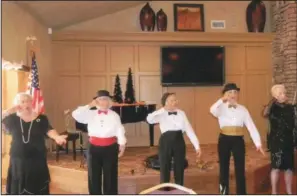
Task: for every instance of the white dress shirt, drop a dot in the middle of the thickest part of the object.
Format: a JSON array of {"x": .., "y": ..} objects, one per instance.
[
  {"x": 101, "y": 125},
  {"x": 238, "y": 117},
  {"x": 174, "y": 123}
]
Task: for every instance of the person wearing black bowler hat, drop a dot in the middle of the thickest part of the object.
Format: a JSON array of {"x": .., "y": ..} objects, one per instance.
[
  {"x": 232, "y": 117},
  {"x": 173, "y": 122},
  {"x": 106, "y": 143}
]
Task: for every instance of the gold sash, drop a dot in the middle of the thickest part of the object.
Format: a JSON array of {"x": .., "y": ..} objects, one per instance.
[{"x": 232, "y": 131}]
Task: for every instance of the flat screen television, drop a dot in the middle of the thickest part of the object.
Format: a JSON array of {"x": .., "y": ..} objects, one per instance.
[{"x": 192, "y": 65}]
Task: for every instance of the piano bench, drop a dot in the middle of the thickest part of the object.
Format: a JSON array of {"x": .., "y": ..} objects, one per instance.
[{"x": 72, "y": 137}]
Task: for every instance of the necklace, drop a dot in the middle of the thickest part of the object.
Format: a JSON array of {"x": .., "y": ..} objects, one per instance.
[{"x": 29, "y": 131}]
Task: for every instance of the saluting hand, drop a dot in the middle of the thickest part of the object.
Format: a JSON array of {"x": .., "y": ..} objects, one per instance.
[
  {"x": 225, "y": 97},
  {"x": 14, "y": 109},
  {"x": 93, "y": 103},
  {"x": 11, "y": 110},
  {"x": 122, "y": 150}
]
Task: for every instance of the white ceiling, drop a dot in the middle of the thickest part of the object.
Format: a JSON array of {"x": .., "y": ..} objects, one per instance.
[{"x": 60, "y": 14}]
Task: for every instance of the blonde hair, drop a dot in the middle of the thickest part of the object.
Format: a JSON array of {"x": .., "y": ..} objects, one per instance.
[
  {"x": 275, "y": 89},
  {"x": 19, "y": 96}
]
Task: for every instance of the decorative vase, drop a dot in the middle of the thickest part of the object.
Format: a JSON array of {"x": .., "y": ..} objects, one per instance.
[
  {"x": 161, "y": 20},
  {"x": 147, "y": 18},
  {"x": 256, "y": 16}
]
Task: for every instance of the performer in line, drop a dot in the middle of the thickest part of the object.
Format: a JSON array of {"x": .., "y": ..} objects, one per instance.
[
  {"x": 106, "y": 143},
  {"x": 173, "y": 122},
  {"x": 28, "y": 172},
  {"x": 232, "y": 117},
  {"x": 281, "y": 137}
]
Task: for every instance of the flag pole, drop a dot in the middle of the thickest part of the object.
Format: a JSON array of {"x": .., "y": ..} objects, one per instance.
[
  {"x": 30, "y": 54},
  {"x": 30, "y": 48}
]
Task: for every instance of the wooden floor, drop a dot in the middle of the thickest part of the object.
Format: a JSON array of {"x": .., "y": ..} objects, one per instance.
[
  {"x": 264, "y": 187},
  {"x": 134, "y": 176},
  {"x": 67, "y": 177}
]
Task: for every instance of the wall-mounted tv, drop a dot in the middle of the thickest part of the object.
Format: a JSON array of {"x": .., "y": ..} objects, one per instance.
[{"x": 192, "y": 65}]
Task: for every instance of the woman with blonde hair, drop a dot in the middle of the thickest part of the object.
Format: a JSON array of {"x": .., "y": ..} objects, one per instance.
[
  {"x": 28, "y": 171},
  {"x": 281, "y": 136}
]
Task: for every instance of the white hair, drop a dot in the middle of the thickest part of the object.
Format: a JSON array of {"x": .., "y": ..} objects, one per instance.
[
  {"x": 275, "y": 89},
  {"x": 19, "y": 96}
]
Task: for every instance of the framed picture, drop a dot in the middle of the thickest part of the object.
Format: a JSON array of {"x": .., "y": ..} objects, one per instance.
[{"x": 188, "y": 17}]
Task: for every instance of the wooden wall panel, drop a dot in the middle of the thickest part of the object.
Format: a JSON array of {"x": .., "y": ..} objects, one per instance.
[
  {"x": 256, "y": 60},
  {"x": 234, "y": 58},
  {"x": 90, "y": 85},
  {"x": 87, "y": 63},
  {"x": 4, "y": 89},
  {"x": 151, "y": 93},
  {"x": 69, "y": 98},
  {"x": 151, "y": 88},
  {"x": 257, "y": 93},
  {"x": 66, "y": 57},
  {"x": 149, "y": 58},
  {"x": 206, "y": 126},
  {"x": 93, "y": 58},
  {"x": 121, "y": 58}
]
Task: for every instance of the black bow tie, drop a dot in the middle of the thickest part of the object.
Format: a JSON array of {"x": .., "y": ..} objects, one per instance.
[
  {"x": 232, "y": 106},
  {"x": 172, "y": 113}
]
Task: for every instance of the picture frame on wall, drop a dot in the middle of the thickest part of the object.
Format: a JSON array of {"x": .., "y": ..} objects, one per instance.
[{"x": 188, "y": 17}]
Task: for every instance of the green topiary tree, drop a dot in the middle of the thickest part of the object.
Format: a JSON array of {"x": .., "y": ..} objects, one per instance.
[
  {"x": 130, "y": 94},
  {"x": 117, "y": 93}
]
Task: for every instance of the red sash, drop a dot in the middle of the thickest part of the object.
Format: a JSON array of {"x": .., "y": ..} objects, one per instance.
[{"x": 98, "y": 141}]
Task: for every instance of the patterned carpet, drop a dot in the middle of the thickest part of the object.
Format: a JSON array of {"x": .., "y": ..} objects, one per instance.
[{"x": 132, "y": 163}]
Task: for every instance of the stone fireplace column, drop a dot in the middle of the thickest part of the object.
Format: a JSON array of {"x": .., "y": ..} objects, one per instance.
[{"x": 284, "y": 46}]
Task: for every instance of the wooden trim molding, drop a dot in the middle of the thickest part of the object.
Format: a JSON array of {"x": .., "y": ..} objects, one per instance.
[{"x": 203, "y": 37}]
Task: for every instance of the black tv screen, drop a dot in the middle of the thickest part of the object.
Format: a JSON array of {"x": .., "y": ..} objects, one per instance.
[{"x": 192, "y": 66}]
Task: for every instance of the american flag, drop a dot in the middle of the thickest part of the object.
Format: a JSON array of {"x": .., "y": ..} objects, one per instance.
[{"x": 34, "y": 88}]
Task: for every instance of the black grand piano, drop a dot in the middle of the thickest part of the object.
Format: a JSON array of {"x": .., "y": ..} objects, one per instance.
[{"x": 129, "y": 114}]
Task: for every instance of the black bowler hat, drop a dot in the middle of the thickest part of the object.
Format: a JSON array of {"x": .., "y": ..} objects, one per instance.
[
  {"x": 229, "y": 87},
  {"x": 102, "y": 93}
]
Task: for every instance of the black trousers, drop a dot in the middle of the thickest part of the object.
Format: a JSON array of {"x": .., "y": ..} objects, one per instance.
[
  {"x": 172, "y": 145},
  {"x": 226, "y": 145},
  {"x": 103, "y": 158}
]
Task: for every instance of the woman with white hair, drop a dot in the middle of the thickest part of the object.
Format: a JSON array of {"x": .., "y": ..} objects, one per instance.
[
  {"x": 28, "y": 171},
  {"x": 281, "y": 137},
  {"x": 106, "y": 143}
]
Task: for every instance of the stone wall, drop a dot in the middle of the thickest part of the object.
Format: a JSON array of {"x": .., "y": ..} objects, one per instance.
[{"x": 284, "y": 47}]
